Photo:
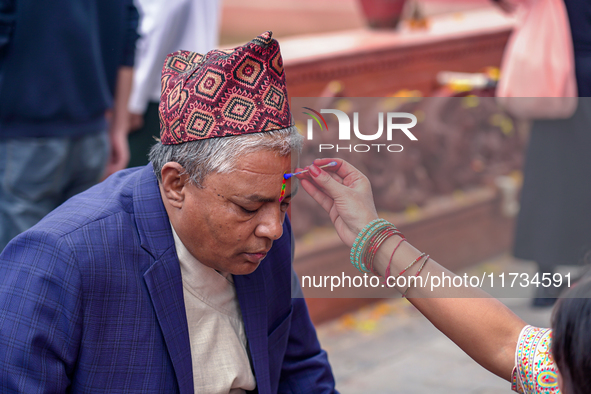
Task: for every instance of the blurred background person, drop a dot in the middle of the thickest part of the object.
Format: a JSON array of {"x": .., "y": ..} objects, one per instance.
[
  {"x": 554, "y": 222},
  {"x": 65, "y": 78},
  {"x": 165, "y": 27}
]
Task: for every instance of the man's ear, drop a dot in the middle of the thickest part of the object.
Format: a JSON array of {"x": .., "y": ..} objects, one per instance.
[{"x": 174, "y": 180}]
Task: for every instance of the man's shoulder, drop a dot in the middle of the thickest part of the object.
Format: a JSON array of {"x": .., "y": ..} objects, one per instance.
[
  {"x": 97, "y": 225},
  {"x": 113, "y": 196},
  {"x": 98, "y": 213}
]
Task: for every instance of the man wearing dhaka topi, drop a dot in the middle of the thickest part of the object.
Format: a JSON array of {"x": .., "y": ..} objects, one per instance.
[{"x": 175, "y": 277}]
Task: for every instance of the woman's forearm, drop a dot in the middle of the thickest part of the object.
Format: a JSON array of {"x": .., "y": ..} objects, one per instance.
[{"x": 480, "y": 325}]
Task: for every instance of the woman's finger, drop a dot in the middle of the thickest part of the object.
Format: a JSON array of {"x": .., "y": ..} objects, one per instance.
[
  {"x": 335, "y": 176},
  {"x": 326, "y": 182},
  {"x": 320, "y": 197},
  {"x": 343, "y": 168}
]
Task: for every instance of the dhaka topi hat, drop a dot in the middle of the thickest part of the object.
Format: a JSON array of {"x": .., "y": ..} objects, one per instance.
[{"x": 224, "y": 92}]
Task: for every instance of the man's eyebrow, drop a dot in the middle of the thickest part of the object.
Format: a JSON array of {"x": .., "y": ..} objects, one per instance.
[{"x": 258, "y": 198}]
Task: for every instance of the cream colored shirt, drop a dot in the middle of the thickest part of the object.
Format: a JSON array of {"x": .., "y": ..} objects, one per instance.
[{"x": 216, "y": 330}]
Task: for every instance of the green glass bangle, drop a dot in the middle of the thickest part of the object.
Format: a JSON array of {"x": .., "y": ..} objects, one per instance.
[
  {"x": 361, "y": 234},
  {"x": 362, "y": 238},
  {"x": 364, "y": 230},
  {"x": 371, "y": 233},
  {"x": 358, "y": 249}
]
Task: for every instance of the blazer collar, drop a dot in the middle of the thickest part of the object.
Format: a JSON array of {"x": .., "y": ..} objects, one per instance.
[
  {"x": 151, "y": 218},
  {"x": 163, "y": 278},
  {"x": 252, "y": 297}
]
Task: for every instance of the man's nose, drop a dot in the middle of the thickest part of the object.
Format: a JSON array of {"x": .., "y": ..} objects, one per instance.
[{"x": 271, "y": 224}]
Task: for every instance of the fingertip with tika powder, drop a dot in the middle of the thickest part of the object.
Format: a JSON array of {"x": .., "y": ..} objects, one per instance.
[
  {"x": 331, "y": 164},
  {"x": 286, "y": 176}
]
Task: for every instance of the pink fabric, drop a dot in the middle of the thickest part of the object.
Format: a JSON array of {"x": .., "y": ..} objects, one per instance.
[{"x": 539, "y": 62}]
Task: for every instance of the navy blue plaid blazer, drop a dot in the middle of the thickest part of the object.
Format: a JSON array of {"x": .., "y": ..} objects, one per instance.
[{"x": 91, "y": 300}]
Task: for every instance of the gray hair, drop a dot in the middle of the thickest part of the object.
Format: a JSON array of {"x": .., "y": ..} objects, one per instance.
[{"x": 220, "y": 155}]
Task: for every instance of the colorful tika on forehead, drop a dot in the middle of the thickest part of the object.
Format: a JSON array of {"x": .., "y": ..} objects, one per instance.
[
  {"x": 283, "y": 185},
  {"x": 224, "y": 92}
]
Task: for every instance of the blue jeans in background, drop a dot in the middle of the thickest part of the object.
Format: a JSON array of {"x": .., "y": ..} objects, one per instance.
[{"x": 39, "y": 174}]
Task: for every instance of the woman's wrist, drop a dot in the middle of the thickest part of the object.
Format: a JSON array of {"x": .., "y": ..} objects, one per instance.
[
  {"x": 403, "y": 260},
  {"x": 380, "y": 248}
]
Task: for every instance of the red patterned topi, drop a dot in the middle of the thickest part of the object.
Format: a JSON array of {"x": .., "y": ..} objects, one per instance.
[{"x": 224, "y": 92}]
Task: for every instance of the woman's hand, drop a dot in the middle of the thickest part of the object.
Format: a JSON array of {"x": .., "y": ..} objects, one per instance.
[
  {"x": 481, "y": 326},
  {"x": 344, "y": 192}
]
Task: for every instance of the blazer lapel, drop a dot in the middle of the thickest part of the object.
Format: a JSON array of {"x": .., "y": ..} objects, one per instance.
[
  {"x": 163, "y": 278},
  {"x": 252, "y": 298},
  {"x": 166, "y": 291}
]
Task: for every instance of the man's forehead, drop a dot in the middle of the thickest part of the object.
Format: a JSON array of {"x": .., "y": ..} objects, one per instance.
[
  {"x": 256, "y": 176},
  {"x": 262, "y": 189},
  {"x": 265, "y": 163}
]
